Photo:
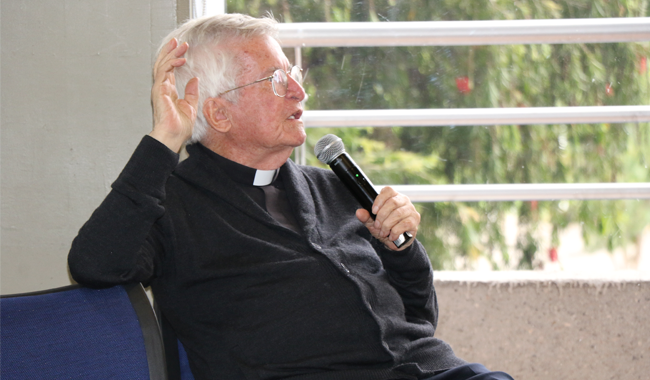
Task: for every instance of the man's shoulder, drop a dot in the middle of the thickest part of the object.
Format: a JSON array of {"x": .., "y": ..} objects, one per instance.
[
  {"x": 314, "y": 171},
  {"x": 315, "y": 174}
]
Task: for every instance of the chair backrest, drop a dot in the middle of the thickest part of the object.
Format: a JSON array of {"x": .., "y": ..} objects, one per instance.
[
  {"x": 80, "y": 333},
  {"x": 184, "y": 364},
  {"x": 178, "y": 366}
]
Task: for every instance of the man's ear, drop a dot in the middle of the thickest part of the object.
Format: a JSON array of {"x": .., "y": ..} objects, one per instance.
[{"x": 216, "y": 115}]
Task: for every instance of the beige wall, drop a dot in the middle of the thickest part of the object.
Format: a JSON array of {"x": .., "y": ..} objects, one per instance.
[
  {"x": 539, "y": 326},
  {"x": 75, "y": 102}
]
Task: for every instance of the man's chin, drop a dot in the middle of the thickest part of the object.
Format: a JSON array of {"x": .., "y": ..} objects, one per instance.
[
  {"x": 299, "y": 136},
  {"x": 303, "y": 138}
]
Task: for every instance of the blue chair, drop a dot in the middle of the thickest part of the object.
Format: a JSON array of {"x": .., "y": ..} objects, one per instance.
[
  {"x": 178, "y": 366},
  {"x": 80, "y": 333}
]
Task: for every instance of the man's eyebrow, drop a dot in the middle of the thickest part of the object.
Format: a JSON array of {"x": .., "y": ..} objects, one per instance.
[
  {"x": 269, "y": 71},
  {"x": 272, "y": 69},
  {"x": 285, "y": 68}
]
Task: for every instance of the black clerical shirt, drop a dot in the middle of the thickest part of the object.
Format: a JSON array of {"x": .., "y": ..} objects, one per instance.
[
  {"x": 251, "y": 299},
  {"x": 267, "y": 189}
]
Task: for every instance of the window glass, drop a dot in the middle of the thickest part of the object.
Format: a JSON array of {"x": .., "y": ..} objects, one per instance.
[{"x": 495, "y": 235}]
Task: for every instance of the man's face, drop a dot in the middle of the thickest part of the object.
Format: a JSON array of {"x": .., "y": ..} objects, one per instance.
[{"x": 263, "y": 123}]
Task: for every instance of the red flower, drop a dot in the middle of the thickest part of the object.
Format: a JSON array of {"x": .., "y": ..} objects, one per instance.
[
  {"x": 462, "y": 83},
  {"x": 643, "y": 65},
  {"x": 609, "y": 90},
  {"x": 552, "y": 254}
]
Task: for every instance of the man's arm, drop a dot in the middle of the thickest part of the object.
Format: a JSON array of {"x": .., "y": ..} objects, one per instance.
[
  {"x": 411, "y": 275},
  {"x": 408, "y": 267},
  {"x": 119, "y": 243}
]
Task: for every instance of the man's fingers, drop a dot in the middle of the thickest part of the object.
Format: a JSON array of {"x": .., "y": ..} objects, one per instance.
[
  {"x": 171, "y": 56},
  {"x": 385, "y": 194},
  {"x": 392, "y": 221},
  {"x": 188, "y": 105},
  {"x": 170, "y": 46},
  {"x": 181, "y": 49},
  {"x": 384, "y": 204},
  {"x": 192, "y": 92},
  {"x": 364, "y": 216},
  {"x": 409, "y": 222},
  {"x": 395, "y": 214},
  {"x": 169, "y": 59}
]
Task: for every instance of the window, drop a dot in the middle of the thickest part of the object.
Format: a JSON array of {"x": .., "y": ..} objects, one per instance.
[{"x": 477, "y": 80}]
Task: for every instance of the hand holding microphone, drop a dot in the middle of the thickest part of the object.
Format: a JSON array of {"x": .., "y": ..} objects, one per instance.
[{"x": 395, "y": 210}]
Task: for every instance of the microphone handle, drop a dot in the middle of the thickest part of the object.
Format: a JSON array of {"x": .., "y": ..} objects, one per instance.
[{"x": 360, "y": 186}]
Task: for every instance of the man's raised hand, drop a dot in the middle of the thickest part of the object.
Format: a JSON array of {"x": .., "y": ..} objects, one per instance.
[{"x": 173, "y": 117}]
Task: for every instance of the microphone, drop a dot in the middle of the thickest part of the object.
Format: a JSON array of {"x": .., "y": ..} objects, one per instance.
[{"x": 331, "y": 151}]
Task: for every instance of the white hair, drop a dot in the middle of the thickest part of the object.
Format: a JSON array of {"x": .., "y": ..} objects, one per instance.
[{"x": 216, "y": 69}]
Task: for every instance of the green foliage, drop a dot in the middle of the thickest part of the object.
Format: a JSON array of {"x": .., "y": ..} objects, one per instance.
[{"x": 497, "y": 76}]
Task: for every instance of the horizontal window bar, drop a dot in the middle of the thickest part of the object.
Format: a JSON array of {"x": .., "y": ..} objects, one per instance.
[
  {"x": 524, "y": 192},
  {"x": 491, "y": 32},
  {"x": 476, "y": 116}
]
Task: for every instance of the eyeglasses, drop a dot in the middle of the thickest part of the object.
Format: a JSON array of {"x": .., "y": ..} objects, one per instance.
[{"x": 279, "y": 80}]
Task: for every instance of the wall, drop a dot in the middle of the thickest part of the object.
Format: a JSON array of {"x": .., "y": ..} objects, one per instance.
[
  {"x": 76, "y": 80},
  {"x": 539, "y": 326}
]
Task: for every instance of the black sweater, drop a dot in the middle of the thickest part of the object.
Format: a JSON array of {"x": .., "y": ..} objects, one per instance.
[{"x": 251, "y": 299}]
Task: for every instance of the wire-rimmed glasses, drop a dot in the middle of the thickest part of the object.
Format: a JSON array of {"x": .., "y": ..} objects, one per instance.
[{"x": 279, "y": 81}]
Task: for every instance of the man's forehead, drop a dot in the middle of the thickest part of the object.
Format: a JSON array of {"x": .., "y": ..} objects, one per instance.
[{"x": 259, "y": 61}]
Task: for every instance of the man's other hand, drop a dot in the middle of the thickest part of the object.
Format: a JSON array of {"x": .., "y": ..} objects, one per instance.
[{"x": 173, "y": 117}]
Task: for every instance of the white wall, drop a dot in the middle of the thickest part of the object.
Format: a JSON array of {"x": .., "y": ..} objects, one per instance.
[{"x": 76, "y": 80}]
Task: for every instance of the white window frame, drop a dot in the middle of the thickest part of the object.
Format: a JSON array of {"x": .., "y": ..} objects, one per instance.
[{"x": 447, "y": 33}]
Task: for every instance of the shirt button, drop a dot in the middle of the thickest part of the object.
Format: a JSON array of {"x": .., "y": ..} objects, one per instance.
[{"x": 345, "y": 268}]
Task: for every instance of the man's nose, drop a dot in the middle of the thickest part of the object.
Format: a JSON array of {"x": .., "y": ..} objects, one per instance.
[{"x": 295, "y": 90}]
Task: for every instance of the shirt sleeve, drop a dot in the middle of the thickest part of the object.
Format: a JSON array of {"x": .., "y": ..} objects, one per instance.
[
  {"x": 410, "y": 273},
  {"x": 119, "y": 243}
]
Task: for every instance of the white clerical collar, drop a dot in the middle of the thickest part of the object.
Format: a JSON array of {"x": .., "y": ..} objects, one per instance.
[{"x": 265, "y": 177}]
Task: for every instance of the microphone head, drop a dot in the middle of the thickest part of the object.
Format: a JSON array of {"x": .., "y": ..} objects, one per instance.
[{"x": 328, "y": 148}]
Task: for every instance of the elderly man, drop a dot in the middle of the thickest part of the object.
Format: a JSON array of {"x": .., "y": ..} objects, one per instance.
[{"x": 260, "y": 265}]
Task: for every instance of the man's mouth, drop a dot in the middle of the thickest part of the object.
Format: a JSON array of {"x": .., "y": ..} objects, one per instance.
[{"x": 296, "y": 115}]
